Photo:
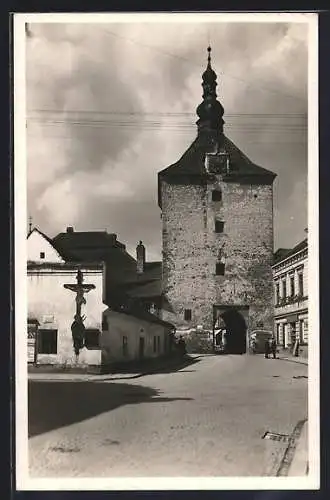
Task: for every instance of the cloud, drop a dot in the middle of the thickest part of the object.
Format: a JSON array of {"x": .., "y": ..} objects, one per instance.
[{"x": 98, "y": 170}]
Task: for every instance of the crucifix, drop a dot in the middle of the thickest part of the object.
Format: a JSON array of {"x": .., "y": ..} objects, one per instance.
[
  {"x": 77, "y": 327},
  {"x": 80, "y": 289}
]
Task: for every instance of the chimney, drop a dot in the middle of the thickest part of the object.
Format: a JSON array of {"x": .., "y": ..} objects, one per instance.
[
  {"x": 140, "y": 258},
  {"x": 69, "y": 229}
]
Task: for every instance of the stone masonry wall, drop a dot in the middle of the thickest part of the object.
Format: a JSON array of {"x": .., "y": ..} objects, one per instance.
[{"x": 191, "y": 249}]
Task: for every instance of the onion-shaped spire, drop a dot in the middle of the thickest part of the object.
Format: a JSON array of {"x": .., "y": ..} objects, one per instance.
[{"x": 210, "y": 111}]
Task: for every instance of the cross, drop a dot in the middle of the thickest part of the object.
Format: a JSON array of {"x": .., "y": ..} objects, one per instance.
[
  {"x": 30, "y": 224},
  {"x": 80, "y": 289}
]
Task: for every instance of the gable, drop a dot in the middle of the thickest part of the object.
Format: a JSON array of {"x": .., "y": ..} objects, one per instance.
[{"x": 40, "y": 249}]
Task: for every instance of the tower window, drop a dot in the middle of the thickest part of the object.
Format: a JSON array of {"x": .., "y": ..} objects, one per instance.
[
  {"x": 219, "y": 225},
  {"x": 220, "y": 269},
  {"x": 216, "y": 195},
  {"x": 187, "y": 314},
  {"x": 42, "y": 255}
]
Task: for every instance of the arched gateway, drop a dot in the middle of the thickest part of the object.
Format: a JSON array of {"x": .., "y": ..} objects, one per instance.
[{"x": 232, "y": 321}]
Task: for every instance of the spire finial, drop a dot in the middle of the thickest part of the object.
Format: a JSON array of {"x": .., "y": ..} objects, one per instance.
[
  {"x": 30, "y": 224},
  {"x": 209, "y": 54},
  {"x": 210, "y": 111}
]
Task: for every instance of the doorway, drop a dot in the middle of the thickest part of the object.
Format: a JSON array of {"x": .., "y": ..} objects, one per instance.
[
  {"x": 141, "y": 348},
  {"x": 235, "y": 328}
]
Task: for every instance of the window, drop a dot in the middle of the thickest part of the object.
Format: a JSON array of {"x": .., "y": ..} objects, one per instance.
[
  {"x": 42, "y": 255},
  {"x": 278, "y": 333},
  {"x": 187, "y": 314},
  {"x": 155, "y": 344},
  {"x": 92, "y": 338},
  {"x": 125, "y": 346},
  {"x": 47, "y": 342},
  {"x": 292, "y": 286},
  {"x": 158, "y": 343},
  {"x": 301, "y": 284},
  {"x": 284, "y": 288},
  {"x": 220, "y": 269},
  {"x": 219, "y": 224},
  {"x": 277, "y": 293},
  {"x": 216, "y": 195}
]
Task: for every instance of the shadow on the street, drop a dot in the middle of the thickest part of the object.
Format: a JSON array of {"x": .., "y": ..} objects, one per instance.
[
  {"x": 151, "y": 367},
  {"x": 52, "y": 405}
]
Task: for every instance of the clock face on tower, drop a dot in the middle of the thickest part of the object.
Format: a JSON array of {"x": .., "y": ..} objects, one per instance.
[{"x": 218, "y": 163}]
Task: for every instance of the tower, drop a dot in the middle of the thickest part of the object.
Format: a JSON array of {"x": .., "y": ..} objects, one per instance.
[{"x": 217, "y": 218}]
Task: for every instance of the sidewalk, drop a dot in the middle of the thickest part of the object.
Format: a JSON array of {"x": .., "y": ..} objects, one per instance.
[
  {"x": 293, "y": 359},
  {"x": 120, "y": 372},
  {"x": 299, "y": 464}
]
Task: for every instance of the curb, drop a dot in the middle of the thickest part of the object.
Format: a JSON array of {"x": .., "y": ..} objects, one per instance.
[
  {"x": 299, "y": 464},
  {"x": 300, "y": 362}
]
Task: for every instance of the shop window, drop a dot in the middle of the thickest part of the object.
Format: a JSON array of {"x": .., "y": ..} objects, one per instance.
[
  {"x": 220, "y": 269},
  {"x": 42, "y": 255},
  {"x": 92, "y": 338},
  {"x": 125, "y": 346},
  {"x": 219, "y": 225},
  {"x": 47, "y": 341},
  {"x": 216, "y": 195},
  {"x": 187, "y": 314},
  {"x": 277, "y": 333}
]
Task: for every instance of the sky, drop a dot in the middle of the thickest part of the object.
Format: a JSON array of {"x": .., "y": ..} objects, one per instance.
[{"x": 109, "y": 105}]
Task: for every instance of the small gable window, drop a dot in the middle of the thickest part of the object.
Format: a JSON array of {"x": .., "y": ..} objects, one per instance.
[
  {"x": 216, "y": 195},
  {"x": 220, "y": 269},
  {"x": 219, "y": 225},
  {"x": 42, "y": 255},
  {"x": 187, "y": 314}
]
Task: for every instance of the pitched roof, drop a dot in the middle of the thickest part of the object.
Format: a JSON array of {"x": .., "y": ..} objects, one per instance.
[
  {"x": 301, "y": 246},
  {"x": 192, "y": 162},
  {"x": 49, "y": 240},
  {"x": 283, "y": 253},
  {"x": 140, "y": 313},
  {"x": 96, "y": 246}
]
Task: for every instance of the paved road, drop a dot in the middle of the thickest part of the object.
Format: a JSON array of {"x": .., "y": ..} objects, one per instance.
[{"x": 205, "y": 420}]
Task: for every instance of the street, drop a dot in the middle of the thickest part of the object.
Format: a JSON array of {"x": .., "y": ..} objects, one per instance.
[{"x": 207, "y": 419}]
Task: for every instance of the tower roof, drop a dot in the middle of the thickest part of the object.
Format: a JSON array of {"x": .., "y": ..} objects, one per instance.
[{"x": 190, "y": 168}]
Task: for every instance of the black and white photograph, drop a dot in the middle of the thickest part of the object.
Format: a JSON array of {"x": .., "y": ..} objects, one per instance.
[{"x": 166, "y": 251}]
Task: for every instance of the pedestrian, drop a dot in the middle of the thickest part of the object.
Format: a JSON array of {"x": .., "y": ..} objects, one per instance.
[
  {"x": 267, "y": 348},
  {"x": 182, "y": 346},
  {"x": 273, "y": 347}
]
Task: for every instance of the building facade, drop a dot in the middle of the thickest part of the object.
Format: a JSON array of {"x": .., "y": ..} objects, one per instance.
[
  {"x": 217, "y": 228},
  {"x": 118, "y": 327},
  {"x": 52, "y": 306},
  {"x": 290, "y": 273}
]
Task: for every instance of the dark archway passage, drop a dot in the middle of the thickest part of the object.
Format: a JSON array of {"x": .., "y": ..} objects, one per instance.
[{"x": 235, "y": 332}]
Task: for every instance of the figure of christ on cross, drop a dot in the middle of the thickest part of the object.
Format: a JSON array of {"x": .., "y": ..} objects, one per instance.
[
  {"x": 77, "y": 327},
  {"x": 80, "y": 289}
]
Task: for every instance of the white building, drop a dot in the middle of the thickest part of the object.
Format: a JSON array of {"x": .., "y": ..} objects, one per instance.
[
  {"x": 290, "y": 273},
  {"x": 114, "y": 331},
  {"x": 51, "y": 307}
]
